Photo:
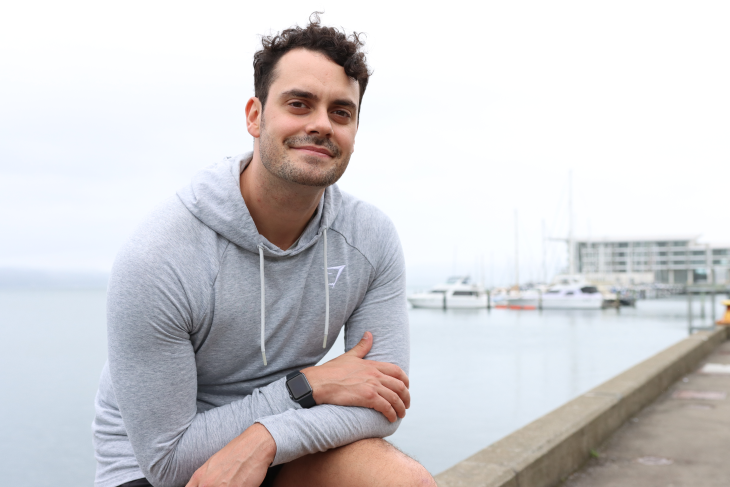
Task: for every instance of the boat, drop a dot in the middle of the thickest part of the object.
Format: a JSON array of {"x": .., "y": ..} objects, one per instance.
[
  {"x": 527, "y": 299},
  {"x": 572, "y": 292},
  {"x": 499, "y": 297},
  {"x": 456, "y": 292}
]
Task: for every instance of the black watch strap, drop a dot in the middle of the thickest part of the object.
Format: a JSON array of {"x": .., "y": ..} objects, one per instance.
[{"x": 306, "y": 400}]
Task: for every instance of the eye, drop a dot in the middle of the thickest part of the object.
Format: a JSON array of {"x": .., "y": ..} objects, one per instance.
[
  {"x": 342, "y": 113},
  {"x": 297, "y": 104}
]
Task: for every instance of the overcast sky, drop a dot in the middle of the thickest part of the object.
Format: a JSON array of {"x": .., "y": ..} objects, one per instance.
[{"x": 473, "y": 112}]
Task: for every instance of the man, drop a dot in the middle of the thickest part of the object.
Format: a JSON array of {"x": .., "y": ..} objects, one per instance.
[{"x": 227, "y": 296}]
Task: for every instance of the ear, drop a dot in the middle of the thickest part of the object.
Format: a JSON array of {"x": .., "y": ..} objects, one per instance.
[{"x": 254, "y": 110}]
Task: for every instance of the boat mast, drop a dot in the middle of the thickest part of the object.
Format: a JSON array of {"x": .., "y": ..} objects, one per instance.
[
  {"x": 571, "y": 243},
  {"x": 544, "y": 259},
  {"x": 517, "y": 254}
]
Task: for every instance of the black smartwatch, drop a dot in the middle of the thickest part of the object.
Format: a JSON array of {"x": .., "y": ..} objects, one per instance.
[{"x": 299, "y": 389}]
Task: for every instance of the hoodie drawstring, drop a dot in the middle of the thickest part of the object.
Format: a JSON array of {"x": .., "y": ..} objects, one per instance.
[
  {"x": 326, "y": 293},
  {"x": 263, "y": 298},
  {"x": 263, "y": 303}
]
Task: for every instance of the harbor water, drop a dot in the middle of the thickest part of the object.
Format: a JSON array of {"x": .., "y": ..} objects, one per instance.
[{"x": 476, "y": 375}]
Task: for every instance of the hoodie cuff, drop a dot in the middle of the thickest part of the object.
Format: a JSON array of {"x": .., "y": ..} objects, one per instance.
[
  {"x": 284, "y": 437},
  {"x": 278, "y": 397}
]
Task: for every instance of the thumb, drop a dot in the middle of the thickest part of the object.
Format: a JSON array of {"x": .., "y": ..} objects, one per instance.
[{"x": 363, "y": 347}]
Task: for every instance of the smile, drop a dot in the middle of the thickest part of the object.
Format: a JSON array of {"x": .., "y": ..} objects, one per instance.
[{"x": 314, "y": 150}]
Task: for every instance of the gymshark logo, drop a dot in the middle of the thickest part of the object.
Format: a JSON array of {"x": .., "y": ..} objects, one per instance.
[{"x": 339, "y": 269}]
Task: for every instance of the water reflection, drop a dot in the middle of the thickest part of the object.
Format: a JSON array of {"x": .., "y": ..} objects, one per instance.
[{"x": 478, "y": 375}]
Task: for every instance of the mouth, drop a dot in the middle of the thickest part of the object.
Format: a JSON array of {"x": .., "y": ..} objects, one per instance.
[{"x": 314, "y": 150}]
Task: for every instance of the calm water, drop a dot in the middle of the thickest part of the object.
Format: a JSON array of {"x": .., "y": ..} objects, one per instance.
[{"x": 475, "y": 376}]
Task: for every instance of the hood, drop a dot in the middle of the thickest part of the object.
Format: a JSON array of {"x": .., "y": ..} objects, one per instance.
[{"x": 214, "y": 197}]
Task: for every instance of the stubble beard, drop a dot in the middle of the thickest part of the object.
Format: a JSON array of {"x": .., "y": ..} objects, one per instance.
[{"x": 307, "y": 172}]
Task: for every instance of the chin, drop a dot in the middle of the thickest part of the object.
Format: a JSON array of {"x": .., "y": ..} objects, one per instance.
[{"x": 317, "y": 179}]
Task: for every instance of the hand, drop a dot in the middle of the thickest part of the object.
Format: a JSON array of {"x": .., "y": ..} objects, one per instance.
[
  {"x": 349, "y": 380},
  {"x": 243, "y": 462}
]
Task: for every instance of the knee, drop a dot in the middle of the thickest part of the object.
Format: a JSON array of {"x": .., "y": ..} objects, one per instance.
[
  {"x": 417, "y": 475},
  {"x": 399, "y": 468}
]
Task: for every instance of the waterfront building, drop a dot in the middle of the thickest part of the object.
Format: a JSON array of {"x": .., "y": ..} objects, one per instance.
[{"x": 663, "y": 260}]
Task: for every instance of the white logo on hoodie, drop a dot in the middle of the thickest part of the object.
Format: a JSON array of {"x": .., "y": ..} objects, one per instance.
[{"x": 339, "y": 269}]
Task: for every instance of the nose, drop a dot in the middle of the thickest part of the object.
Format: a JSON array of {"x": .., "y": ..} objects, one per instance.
[{"x": 319, "y": 123}]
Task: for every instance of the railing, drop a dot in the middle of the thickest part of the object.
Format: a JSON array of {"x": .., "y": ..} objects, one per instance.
[{"x": 703, "y": 291}]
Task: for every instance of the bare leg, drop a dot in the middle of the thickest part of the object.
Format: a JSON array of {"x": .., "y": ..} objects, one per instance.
[{"x": 365, "y": 463}]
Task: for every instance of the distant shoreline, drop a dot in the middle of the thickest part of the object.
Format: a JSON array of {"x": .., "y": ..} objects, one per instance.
[{"x": 51, "y": 279}]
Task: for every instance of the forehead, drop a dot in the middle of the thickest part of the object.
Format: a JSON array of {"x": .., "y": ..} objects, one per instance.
[{"x": 314, "y": 72}]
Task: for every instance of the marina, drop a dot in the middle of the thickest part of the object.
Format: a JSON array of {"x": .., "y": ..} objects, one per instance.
[{"x": 499, "y": 369}]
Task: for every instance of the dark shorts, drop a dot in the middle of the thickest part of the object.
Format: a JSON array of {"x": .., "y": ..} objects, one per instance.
[{"x": 268, "y": 481}]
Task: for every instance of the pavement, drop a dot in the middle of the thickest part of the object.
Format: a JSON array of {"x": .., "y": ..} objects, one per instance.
[{"x": 681, "y": 440}]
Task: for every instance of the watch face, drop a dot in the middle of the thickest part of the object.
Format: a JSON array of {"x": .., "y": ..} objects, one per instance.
[{"x": 299, "y": 386}]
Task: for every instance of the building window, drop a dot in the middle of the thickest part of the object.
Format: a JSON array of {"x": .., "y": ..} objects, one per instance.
[
  {"x": 698, "y": 252},
  {"x": 699, "y": 275},
  {"x": 720, "y": 252},
  {"x": 663, "y": 253},
  {"x": 680, "y": 244},
  {"x": 623, "y": 244}
]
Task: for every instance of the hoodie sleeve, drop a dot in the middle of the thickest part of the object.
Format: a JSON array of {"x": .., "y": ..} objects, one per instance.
[
  {"x": 383, "y": 312},
  {"x": 152, "y": 364}
]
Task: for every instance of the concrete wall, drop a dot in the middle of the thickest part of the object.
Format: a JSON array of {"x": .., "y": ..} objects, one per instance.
[{"x": 546, "y": 451}]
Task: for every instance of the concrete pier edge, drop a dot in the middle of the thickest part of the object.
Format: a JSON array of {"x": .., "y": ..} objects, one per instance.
[{"x": 546, "y": 451}]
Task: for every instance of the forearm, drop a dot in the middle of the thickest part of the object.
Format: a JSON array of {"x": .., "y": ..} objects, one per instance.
[
  {"x": 168, "y": 459},
  {"x": 305, "y": 431},
  {"x": 243, "y": 461}
]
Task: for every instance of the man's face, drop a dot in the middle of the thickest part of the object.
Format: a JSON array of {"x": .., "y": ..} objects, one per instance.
[{"x": 308, "y": 126}]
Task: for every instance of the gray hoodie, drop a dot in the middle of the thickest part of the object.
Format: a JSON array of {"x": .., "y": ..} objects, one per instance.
[{"x": 205, "y": 317}]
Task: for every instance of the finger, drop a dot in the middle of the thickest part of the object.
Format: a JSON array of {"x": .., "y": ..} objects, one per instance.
[
  {"x": 394, "y": 399},
  {"x": 397, "y": 387},
  {"x": 391, "y": 370},
  {"x": 368, "y": 396},
  {"x": 194, "y": 480},
  {"x": 363, "y": 346},
  {"x": 383, "y": 406}
]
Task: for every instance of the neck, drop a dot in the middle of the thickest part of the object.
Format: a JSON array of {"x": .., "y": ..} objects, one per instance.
[{"x": 280, "y": 209}]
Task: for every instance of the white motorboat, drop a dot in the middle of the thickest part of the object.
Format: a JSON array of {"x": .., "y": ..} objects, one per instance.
[
  {"x": 456, "y": 292},
  {"x": 572, "y": 292}
]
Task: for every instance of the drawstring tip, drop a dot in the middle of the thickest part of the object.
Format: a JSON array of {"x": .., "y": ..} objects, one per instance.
[
  {"x": 324, "y": 343},
  {"x": 264, "y": 355}
]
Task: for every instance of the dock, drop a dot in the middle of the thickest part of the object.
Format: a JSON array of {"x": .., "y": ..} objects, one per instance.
[
  {"x": 663, "y": 422},
  {"x": 681, "y": 439}
]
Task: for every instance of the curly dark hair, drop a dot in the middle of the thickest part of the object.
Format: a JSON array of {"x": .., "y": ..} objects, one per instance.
[{"x": 342, "y": 49}]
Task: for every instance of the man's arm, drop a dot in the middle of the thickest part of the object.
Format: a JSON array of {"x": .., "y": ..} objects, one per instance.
[
  {"x": 347, "y": 380},
  {"x": 153, "y": 369},
  {"x": 383, "y": 312},
  {"x": 153, "y": 308}
]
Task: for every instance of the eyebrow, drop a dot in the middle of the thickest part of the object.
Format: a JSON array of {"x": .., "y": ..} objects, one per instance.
[{"x": 308, "y": 95}]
